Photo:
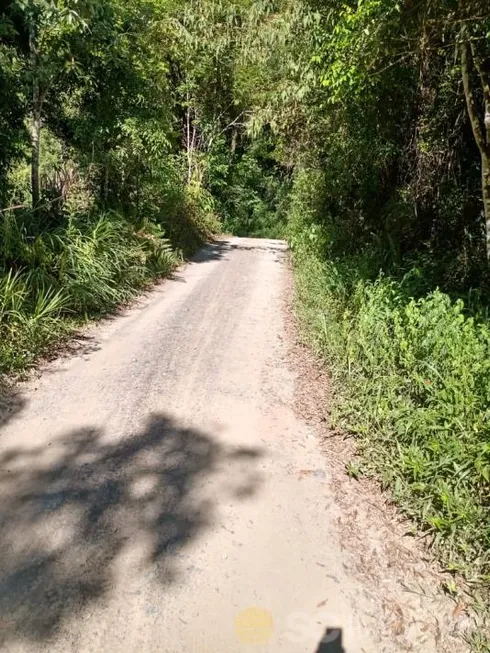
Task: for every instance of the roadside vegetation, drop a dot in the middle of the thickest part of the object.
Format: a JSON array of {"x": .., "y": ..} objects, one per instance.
[
  {"x": 388, "y": 224},
  {"x": 100, "y": 193},
  {"x": 132, "y": 131}
]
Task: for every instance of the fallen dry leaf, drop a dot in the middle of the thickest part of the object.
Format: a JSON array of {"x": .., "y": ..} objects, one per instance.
[{"x": 459, "y": 610}]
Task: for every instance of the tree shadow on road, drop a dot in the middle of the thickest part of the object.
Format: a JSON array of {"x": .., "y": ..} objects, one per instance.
[
  {"x": 214, "y": 251},
  {"x": 72, "y": 511},
  {"x": 11, "y": 404}
]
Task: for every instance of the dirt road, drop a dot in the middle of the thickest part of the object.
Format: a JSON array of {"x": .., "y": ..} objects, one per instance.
[{"x": 159, "y": 493}]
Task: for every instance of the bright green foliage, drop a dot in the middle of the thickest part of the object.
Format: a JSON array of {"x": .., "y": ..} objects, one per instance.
[{"x": 412, "y": 382}]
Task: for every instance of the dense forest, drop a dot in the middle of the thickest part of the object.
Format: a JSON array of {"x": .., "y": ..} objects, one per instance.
[{"x": 131, "y": 131}]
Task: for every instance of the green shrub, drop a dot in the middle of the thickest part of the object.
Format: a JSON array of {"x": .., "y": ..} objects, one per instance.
[{"x": 412, "y": 382}]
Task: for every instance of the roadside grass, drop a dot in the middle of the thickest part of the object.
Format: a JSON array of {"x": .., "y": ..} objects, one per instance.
[
  {"x": 54, "y": 281},
  {"x": 411, "y": 382}
]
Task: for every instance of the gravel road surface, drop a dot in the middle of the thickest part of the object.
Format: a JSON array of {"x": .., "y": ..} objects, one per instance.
[{"x": 159, "y": 493}]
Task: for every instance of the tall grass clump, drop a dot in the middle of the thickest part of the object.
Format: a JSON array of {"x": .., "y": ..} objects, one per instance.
[
  {"x": 189, "y": 218},
  {"x": 411, "y": 377},
  {"x": 51, "y": 281}
]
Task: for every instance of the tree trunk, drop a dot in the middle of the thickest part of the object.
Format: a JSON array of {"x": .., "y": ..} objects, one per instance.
[
  {"x": 36, "y": 117},
  {"x": 479, "y": 124},
  {"x": 485, "y": 166}
]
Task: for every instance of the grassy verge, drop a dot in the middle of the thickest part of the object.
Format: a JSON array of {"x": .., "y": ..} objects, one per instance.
[{"x": 412, "y": 383}]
